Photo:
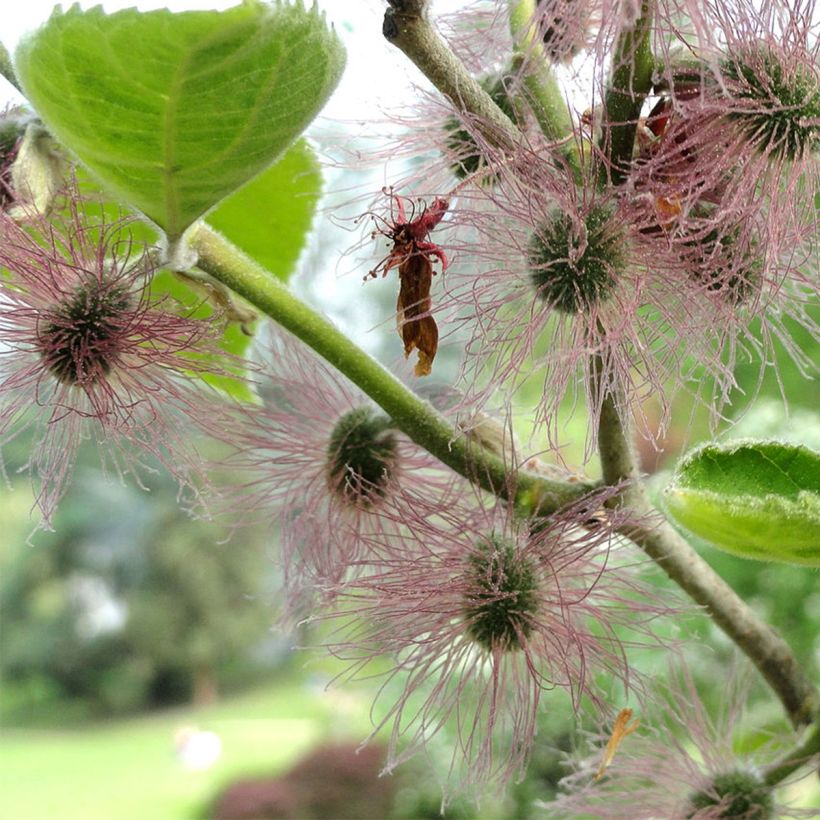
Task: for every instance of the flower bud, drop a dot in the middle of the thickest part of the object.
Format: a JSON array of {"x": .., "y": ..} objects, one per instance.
[
  {"x": 574, "y": 264},
  {"x": 37, "y": 173},
  {"x": 362, "y": 456},
  {"x": 734, "y": 794},
  {"x": 502, "y": 596}
]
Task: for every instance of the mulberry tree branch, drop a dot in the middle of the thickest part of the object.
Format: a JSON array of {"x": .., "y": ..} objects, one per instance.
[{"x": 771, "y": 655}]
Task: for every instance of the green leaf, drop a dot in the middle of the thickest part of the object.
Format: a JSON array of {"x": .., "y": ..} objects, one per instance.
[
  {"x": 270, "y": 217},
  {"x": 173, "y": 112},
  {"x": 756, "y": 499}
]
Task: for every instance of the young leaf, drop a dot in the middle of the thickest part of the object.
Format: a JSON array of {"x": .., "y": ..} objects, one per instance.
[
  {"x": 756, "y": 499},
  {"x": 175, "y": 111}
]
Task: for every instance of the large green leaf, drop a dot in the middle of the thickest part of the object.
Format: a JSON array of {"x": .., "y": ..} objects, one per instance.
[
  {"x": 270, "y": 217},
  {"x": 757, "y": 499},
  {"x": 173, "y": 112}
]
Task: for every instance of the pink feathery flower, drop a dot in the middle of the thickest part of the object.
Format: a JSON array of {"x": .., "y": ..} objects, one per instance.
[
  {"x": 327, "y": 464},
  {"x": 676, "y": 762},
  {"x": 480, "y": 614},
  {"x": 87, "y": 354},
  {"x": 560, "y": 275},
  {"x": 738, "y": 124}
]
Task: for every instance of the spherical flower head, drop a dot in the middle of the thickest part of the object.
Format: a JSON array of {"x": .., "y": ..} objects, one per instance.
[
  {"x": 80, "y": 341},
  {"x": 498, "y": 612},
  {"x": 680, "y": 762},
  {"x": 726, "y": 261},
  {"x": 326, "y": 465},
  {"x": 574, "y": 264},
  {"x": 734, "y": 793},
  {"x": 776, "y": 100},
  {"x": 561, "y": 275},
  {"x": 362, "y": 456},
  {"x": 481, "y": 614},
  {"x": 88, "y": 353}
]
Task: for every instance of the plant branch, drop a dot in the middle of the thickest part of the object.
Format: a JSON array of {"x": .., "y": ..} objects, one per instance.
[
  {"x": 630, "y": 82},
  {"x": 795, "y": 759},
  {"x": 771, "y": 655},
  {"x": 544, "y": 95},
  {"x": 545, "y": 98},
  {"x": 414, "y": 416},
  {"x": 407, "y": 28}
]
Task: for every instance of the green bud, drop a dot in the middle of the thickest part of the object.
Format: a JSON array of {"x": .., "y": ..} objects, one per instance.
[
  {"x": 576, "y": 266},
  {"x": 503, "y": 596},
  {"x": 362, "y": 456}
]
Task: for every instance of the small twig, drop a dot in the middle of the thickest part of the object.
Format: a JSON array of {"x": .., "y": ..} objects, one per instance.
[
  {"x": 407, "y": 28},
  {"x": 771, "y": 655},
  {"x": 800, "y": 756}
]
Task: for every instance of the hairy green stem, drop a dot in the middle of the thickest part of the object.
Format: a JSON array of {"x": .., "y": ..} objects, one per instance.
[
  {"x": 543, "y": 92},
  {"x": 407, "y": 28},
  {"x": 798, "y": 757},
  {"x": 768, "y": 651},
  {"x": 414, "y": 416},
  {"x": 629, "y": 83}
]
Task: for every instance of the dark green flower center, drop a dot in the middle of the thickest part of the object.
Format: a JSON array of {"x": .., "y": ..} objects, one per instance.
[
  {"x": 361, "y": 456},
  {"x": 78, "y": 343},
  {"x": 783, "y": 114},
  {"x": 738, "y": 794},
  {"x": 726, "y": 264},
  {"x": 503, "y": 596},
  {"x": 575, "y": 266}
]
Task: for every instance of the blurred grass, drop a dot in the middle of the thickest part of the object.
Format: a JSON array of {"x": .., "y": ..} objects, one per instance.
[{"x": 127, "y": 769}]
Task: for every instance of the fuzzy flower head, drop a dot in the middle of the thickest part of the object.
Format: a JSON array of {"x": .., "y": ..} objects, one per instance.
[
  {"x": 88, "y": 354},
  {"x": 739, "y": 126},
  {"x": 679, "y": 763},
  {"x": 560, "y": 276},
  {"x": 329, "y": 466},
  {"x": 481, "y": 614}
]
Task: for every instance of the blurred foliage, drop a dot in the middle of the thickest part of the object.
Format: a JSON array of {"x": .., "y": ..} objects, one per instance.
[{"x": 130, "y": 603}]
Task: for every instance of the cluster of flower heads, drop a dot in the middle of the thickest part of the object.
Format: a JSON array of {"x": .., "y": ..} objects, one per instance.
[
  {"x": 677, "y": 761},
  {"x": 638, "y": 272},
  {"x": 667, "y": 265},
  {"x": 468, "y": 613},
  {"x": 87, "y": 353}
]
